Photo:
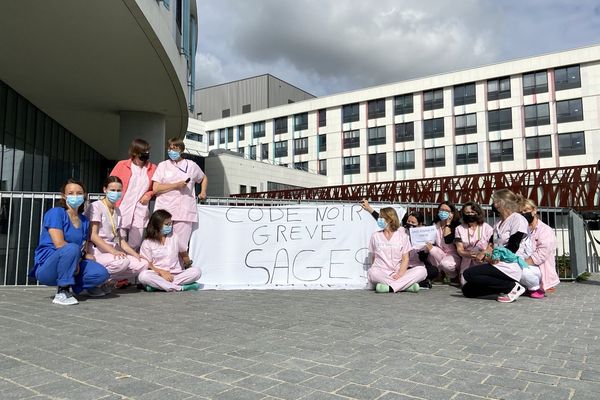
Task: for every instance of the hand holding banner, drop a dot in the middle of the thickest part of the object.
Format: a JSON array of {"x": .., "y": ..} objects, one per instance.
[{"x": 422, "y": 235}]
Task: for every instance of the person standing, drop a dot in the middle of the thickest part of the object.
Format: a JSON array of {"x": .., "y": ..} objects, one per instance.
[{"x": 173, "y": 185}]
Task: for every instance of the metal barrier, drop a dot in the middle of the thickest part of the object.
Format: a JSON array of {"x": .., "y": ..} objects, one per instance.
[{"x": 21, "y": 217}]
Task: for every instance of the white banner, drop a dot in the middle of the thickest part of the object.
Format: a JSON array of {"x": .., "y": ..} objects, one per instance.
[
  {"x": 422, "y": 235},
  {"x": 300, "y": 246}
]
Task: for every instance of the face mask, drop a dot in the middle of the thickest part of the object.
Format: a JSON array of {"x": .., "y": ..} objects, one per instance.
[
  {"x": 144, "y": 156},
  {"x": 381, "y": 224},
  {"x": 166, "y": 230},
  {"x": 113, "y": 197},
  {"x": 174, "y": 155},
  {"x": 495, "y": 210},
  {"x": 528, "y": 216},
  {"x": 443, "y": 215},
  {"x": 408, "y": 226},
  {"x": 470, "y": 218},
  {"x": 75, "y": 200}
]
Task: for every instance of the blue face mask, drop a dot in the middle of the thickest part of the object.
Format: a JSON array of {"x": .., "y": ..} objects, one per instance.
[
  {"x": 443, "y": 215},
  {"x": 113, "y": 197},
  {"x": 174, "y": 155},
  {"x": 381, "y": 224},
  {"x": 166, "y": 230},
  {"x": 75, "y": 200}
]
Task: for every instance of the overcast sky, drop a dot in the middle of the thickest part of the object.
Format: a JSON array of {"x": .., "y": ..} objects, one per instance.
[{"x": 331, "y": 46}]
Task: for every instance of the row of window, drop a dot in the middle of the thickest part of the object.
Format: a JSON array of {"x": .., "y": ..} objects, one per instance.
[
  {"x": 501, "y": 119},
  {"x": 501, "y": 150}
]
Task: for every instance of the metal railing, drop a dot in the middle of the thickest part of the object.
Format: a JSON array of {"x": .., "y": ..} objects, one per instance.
[{"x": 21, "y": 219}]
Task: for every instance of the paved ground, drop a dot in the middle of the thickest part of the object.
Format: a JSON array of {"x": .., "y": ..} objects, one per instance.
[{"x": 300, "y": 345}]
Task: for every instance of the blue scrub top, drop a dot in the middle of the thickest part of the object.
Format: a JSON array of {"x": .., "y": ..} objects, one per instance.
[{"x": 57, "y": 218}]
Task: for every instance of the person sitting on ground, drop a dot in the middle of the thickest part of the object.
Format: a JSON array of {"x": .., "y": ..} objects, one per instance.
[
  {"x": 106, "y": 243},
  {"x": 442, "y": 253},
  {"x": 416, "y": 219},
  {"x": 541, "y": 274},
  {"x": 389, "y": 249},
  {"x": 162, "y": 250},
  {"x": 472, "y": 237},
  {"x": 59, "y": 258},
  {"x": 497, "y": 276}
]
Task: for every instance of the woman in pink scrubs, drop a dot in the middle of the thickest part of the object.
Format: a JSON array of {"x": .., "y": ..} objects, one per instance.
[
  {"x": 389, "y": 249},
  {"x": 106, "y": 243},
  {"x": 173, "y": 186},
  {"x": 472, "y": 237},
  {"x": 541, "y": 274},
  {"x": 442, "y": 253},
  {"x": 136, "y": 175},
  {"x": 161, "y": 249}
]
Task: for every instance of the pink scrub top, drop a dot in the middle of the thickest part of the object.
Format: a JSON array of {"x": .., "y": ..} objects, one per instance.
[
  {"x": 109, "y": 224},
  {"x": 388, "y": 253},
  {"x": 164, "y": 256},
  {"x": 503, "y": 230},
  {"x": 181, "y": 203}
]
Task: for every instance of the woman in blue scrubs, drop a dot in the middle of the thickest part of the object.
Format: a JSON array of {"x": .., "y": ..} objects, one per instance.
[{"x": 60, "y": 259}]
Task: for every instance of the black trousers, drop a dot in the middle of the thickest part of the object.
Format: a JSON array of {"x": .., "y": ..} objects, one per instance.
[{"x": 484, "y": 280}]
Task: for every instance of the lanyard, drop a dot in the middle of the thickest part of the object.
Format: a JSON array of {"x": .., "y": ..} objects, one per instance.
[
  {"x": 112, "y": 218},
  {"x": 181, "y": 169},
  {"x": 477, "y": 232}
]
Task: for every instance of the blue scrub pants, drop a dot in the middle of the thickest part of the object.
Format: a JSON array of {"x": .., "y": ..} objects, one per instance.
[{"x": 59, "y": 270}]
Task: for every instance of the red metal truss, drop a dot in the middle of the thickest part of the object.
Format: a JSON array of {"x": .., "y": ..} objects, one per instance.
[{"x": 576, "y": 187}]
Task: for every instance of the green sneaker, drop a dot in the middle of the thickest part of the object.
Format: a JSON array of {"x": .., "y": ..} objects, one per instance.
[
  {"x": 414, "y": 288},
  {"x": 151, "y": 289},
  {"x": 190, "y": 286},
  {"x": 382, "y": 288}
]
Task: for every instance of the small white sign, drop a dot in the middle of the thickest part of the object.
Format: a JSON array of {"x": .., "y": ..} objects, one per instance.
[{"x": 422, "y": 235}]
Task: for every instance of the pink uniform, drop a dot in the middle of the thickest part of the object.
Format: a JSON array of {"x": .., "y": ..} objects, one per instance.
[
  {"x": 108, "y": 230},
  {"x": 444, "y": 256},
  {"x": 181, "y": 203},
  {"x": 473, "y": 240},
  {"x": 543, "y": 248},
  {"x": 166, "y": 256},
  {"x": 387, "y": 257},
  {"x": 503, "y": 230}
]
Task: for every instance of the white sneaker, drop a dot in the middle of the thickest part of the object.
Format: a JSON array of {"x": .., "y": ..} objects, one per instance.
[
  {"x": 95, "y": 292},
  {"x": 514, "y": 294},
  {"x": 65, "y": 299}
]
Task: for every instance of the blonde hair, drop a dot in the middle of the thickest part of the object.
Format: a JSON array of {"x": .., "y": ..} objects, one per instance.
[
  {"x": 530, "y": 203},
  {"x": 508, "y": 199},
  {"x": 389, "y": 214}
]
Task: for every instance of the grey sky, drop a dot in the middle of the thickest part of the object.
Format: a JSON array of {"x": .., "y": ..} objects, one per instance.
[{"x": 330, "y": 46}]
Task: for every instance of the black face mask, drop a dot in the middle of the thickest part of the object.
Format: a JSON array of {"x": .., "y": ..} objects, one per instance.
[
  {"x": 408, "y": 226},
  {"x": 144, "y": 156},
  {"x": 495, "y": 210},
  {"x": 470, "y": 218},
  {"x": 528, "y": 216}
]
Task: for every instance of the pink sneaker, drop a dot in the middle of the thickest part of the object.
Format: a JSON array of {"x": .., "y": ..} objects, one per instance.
[{"x": 537, "y": 294}]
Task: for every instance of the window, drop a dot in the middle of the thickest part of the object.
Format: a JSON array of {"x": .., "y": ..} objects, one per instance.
[
  {"x": 281, "y": 148},
  {"x": 258, "y": 129},
  {"x": 498, "y": 88},
  {"x": 500, "y": 119},
  {"x": 351, "y": 165},
  {"x": 377, "y": 162},
  {"x": 571, "y": 144},
  {"x": 246, "y": 108},
  {"x": 435, "y": 157},
  {"x": 465, "y": 124},
  {"x": 405, "y": 160},
  {"x": 405, "y": 132},
  {"x": 322, "y": 118},
  {"x": 464, "y": 94},
  {"x": 241, "y": 132},
  {"x": 211, "y": 138},
  {"x": 403, "y": 104},
  {"x": 351, "y": 139},
  {"x": 376, "y": 135},
  {"x": 303, "y": 165},
  {"x": 230, "y": 135},
  {"x": 350, "y": 113},
  {"x": 222, "y": 134},
  {"x": 264, "y": 151},
  {"x": 433, "y": 99},
  {"x": 252, "y": 152},
  {"x": 242, "y": 189},
  {"x": 538, "y": 147},
  {"x": 323, "y": 167},
  {"x": 501, "y": 150},
  {"x": 301, "y": 146},
  {"x": 301, "y": 122},
  {"x": 194, "y": 136},
  {"x": 225, "y": 113},
  {"x": 537, "y": 114},
  {"x": 535, "y": 82},
  {"x": 291, "y": 101},
  {"x": 466, "y": 154},
  {"x": 322, "y": 142},
  {"x": 567, "y": 77},
  {"x": 376, "y": 108},
  {"x": 280, "y": 125},
  {"x": 252, "y": 189},
  {"x": 569, "y": 110},
  {"x": 433, "y": 128}
]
